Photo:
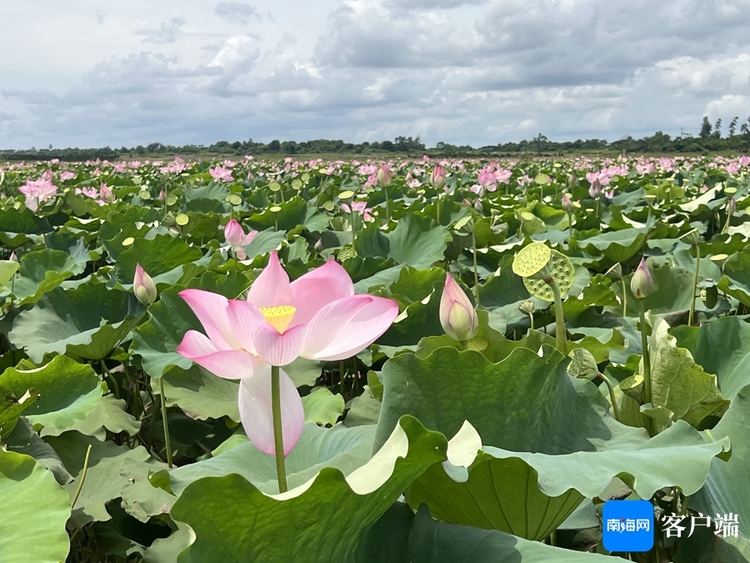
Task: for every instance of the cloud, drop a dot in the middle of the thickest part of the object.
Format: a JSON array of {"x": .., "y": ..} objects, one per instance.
[
  {"x": 167, "y": 32},
  {"x": 236, "y": 12}
]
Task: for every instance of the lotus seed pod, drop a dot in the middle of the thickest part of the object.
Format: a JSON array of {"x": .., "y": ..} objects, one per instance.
[
  {"x": 532, "y": 260},
  {"x": 583, "y": 364},
  {"x": 642, "y": 284}
]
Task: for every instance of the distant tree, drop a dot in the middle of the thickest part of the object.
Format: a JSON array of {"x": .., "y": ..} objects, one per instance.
[
  {"x": 733, "y": 126},
  {"x": 717, "y": 129},
  {"x": 705, "y": 128},
  {"x": 274, "y": 146}
]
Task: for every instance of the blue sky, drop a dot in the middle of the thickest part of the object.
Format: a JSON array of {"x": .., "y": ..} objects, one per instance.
[{"x": 90, "y": 73}]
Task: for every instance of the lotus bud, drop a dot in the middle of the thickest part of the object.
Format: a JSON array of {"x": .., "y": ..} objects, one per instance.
[
  {"x": 162, "y": 196},
  {"x": 437, "y": 178},
  {"x": 13, "y": 257},
  {"x": 527, "y": 307},
  {"x": 384, "y": 176},
  {"x": 642, "y": 284},
  {"x": 615, "y": 272},
  {"x": 583, "y": 364},
  {"x": 457, "y": 314},
  {"x": 143, "y": 286},
  {"x": 731, "y": 206},
  {"x": 567, "y": 204},
  {"x": 106, "y": 193},
  {"x": 233, "y": 233},
  {"x": 691, "y": 237}
]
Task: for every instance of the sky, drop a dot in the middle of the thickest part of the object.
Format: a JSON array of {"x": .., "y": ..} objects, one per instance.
[{"x": 88, "y": 73}]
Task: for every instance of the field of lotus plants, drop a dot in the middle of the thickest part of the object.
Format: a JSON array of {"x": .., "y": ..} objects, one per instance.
[{"x": 426, "y": 361}]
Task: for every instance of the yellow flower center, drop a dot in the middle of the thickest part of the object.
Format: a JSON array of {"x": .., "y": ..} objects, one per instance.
[{"x": 279, "y": 317}]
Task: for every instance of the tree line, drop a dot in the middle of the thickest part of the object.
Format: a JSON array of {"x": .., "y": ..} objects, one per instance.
[{"x": 709, "y": 139}]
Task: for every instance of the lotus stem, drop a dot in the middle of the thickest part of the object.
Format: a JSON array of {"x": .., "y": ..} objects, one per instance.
[
  {"x": 278, "y": 437},
  {"x": 165, "y": 423},
  {"x": 83, "y": 477},
  {"x": 354, "y": 227},
  {"x": 476, "y": 271},
  {"x": 691, "y": 314},
  {"x": 646, "y": 367},
  {"x": 531, "y": 322},
  {"x": 624, "y": 299},
  {"x": 387, "y": 207},
  {"x": 570, "y": 227},
  {"x": 341, "y": 377},
  {"x": 615, "y": 408},
  {"x": 438, "y": 207},
  {"x": 561, "y": 342}
]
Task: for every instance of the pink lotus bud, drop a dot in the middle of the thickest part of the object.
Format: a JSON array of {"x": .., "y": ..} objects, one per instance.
[
  {"x": 457, "y": 314},
  {"x": 642, "y": 284},
  {"x": 731, "y": 206},
  {"x": 143, "y": 286},
  {"x": 106, "y": 193},
  {"x": 13, "y": 257},
  {"x": 437, "y": 178},
  {"x": 233, "y": 233},
  {"x": 567, "y": 204},
  {"x": 162, "y": 196},
  {"x": 384, "y": 176}
]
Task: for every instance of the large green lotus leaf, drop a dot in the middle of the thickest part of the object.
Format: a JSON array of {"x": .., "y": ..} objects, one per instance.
[
  {"x": 736, "y": 278},
  {"x": 418, "y": 241},
  {"x": 726, "y": 488},
  {"x": 618, "y": 246},
  {"x": 263, "y": 243},
  {"x": 490, "y": 343},
  {"x": 124, "y": 224},
  {"x": 371, "y": 242},
  {"x": 109, "y": 414},
  {"x": 68, "y": 392},
  {"x": 678, "y": 384},
  {"x": 35, "y": 509},
  {"x": 157, "y": 256},
  {"x": 114, "y": 472},
  {"x": 156, "y": 340},
  {"x": 11, "y": 409},
  {"x": 323, "y": 407},
  {"x": 294, "y": 213},
  {"x": 344, "y": 448},
  {"x": 364, "y": 409},
  {"x": 523, "y": 403},
  {"x": 323, "y": 520},
  {"x": 87, "y": 321},
  {"x": 43, "y": 270},
  {"x": 24, "y": 440},
  {"x": 418, "y": 293},
  {"x": 400, "y": 536},
  {"x": 531, "y": 494},
  {"x": 200, "y": 394},
  {"x": 674, "y": 290},
  {"x": 722, "y": 347},
  {"x": 15, "y": 224}
]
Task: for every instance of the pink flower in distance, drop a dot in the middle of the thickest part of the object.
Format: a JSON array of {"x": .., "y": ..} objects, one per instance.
[
  {"x": 317, "y": 316},
  {"x": 361, "y": 208},
  {"x": 37, "y": 192},
  {"x": 221, "y": 174},
  {"x": 236, "y": 238}
]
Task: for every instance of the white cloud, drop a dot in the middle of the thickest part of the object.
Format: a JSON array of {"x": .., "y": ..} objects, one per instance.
[{"x": 477, "y": 72}]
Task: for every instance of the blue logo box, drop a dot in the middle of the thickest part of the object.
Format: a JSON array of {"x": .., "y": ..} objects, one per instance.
[{"x": 628, "y": 525}]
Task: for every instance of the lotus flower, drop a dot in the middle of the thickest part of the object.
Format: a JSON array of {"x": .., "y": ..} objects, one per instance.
[
  {"x": 38, "y": 192},
  {"x": 457, "y": 314},
  {"x": 317, "y": 316},
  {"x": 361, "y": 208},
  {"x": 219, "y": 173},
  {"x": 236, "y": 238}
]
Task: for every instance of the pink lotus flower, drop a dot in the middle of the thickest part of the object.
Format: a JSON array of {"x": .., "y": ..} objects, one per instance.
[
  {"x": 361, "y": 208},
  {"x": 487, "y": 179},
  {"x": 222, "y": 174},
  {"x": 237, "y": 239},
  {"x": 457, "y": 314},
  {"x": 106, "y": 194},
  {"x": 317, "y": 316},
  {"x": 37, "y": 192},
  {"x": 437, "y": 178}
]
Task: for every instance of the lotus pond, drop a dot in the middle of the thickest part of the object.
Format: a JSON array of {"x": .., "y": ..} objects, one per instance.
[{"x": 412, "y": 361}]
